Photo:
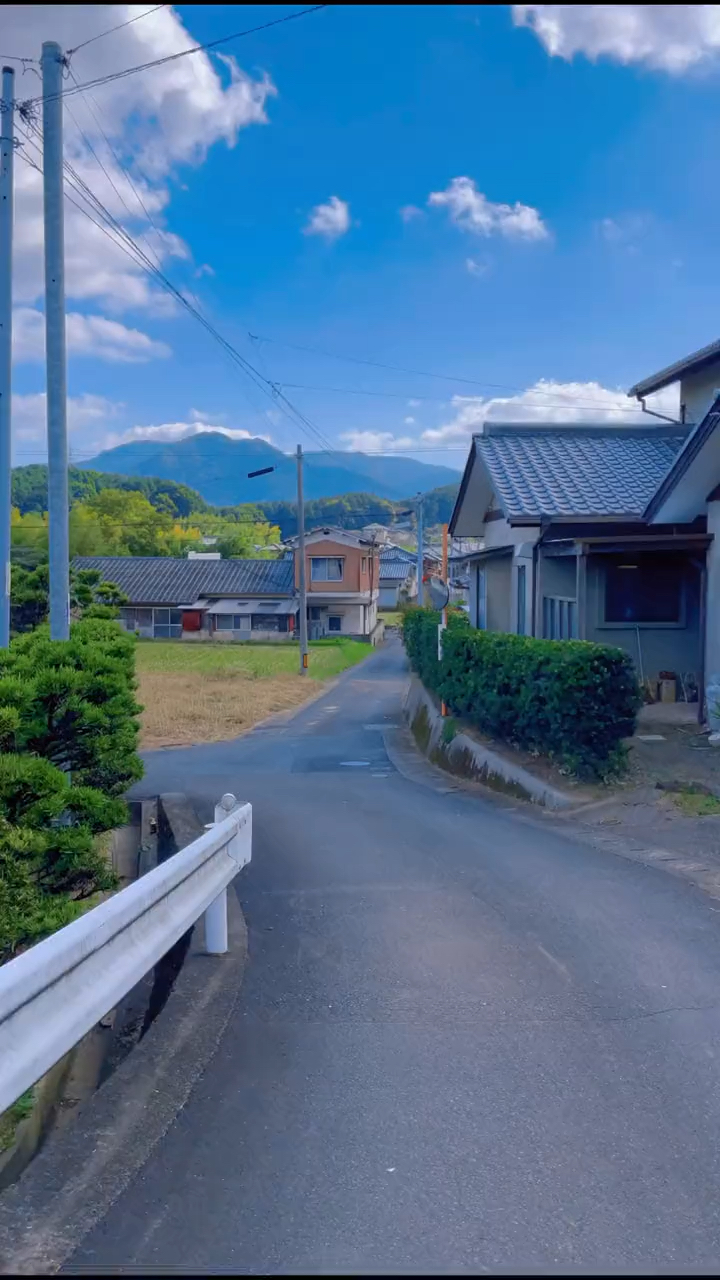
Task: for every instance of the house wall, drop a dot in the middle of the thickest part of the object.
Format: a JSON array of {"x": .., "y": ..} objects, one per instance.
[
  {"x": 498, "y": 533},
  {"x": 696, "y": 392},
  {"x": 357, "y": 619},
  {"x": 353, "y": 579},
  {"x": 389, "y": 594},
  {"x": 225, "y": 637},
  {"x": 498, "y": 577},
  {"x": 663, "y": 648}
]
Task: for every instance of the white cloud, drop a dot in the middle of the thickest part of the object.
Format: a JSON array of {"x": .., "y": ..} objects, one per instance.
[
  {"x": 171, "y": 431},
  {"x": 409, "y": 422},
  {"x": 30, "y": 420},
  {"x": 87, "y": 335},
  {"x": 666, "y": 37},
  {"x": 625, "y": 230},
  {"x": 155, "y": 121},
  {"x": 476, "y": 267},
  {"x": 329, "y": 220},
  {"x": 546, "y": 401},
  {"x": 470, "y": 210},
  {"x": 410, "y": 212},
  {"x": 375, "y": 441}
]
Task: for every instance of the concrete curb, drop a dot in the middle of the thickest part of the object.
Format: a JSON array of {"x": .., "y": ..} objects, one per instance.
[
  {"x": 466, "y": 758},
  {"x": 82, "y": 1170}
]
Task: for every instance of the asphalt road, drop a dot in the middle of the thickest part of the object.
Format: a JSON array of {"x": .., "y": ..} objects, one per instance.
[{"x": 465, "y": 1042}]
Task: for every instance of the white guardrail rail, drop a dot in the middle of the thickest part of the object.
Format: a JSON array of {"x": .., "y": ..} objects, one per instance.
[{"x": 53, "y": 994}]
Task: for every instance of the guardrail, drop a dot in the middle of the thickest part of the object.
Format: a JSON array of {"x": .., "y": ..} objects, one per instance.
[{"x": 53, "y": 994}]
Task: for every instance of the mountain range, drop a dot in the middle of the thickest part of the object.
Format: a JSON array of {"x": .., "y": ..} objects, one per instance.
[{"x": 216, "y": 466}]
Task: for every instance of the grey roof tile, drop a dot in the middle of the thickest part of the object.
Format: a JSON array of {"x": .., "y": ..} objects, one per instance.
[
  {"x": 394, "y": 568},
  {"x": 164, "y": 580},
  {"x": 577, "y": 471}
]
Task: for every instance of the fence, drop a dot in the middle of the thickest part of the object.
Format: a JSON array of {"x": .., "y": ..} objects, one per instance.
[{"x": 53, "y": 994}]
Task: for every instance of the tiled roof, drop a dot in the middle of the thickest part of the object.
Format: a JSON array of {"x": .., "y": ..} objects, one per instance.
[
  {"x": 394, "y": 568},
  {"x": 577, "y": 471},
  {"x": 165, "y": 580}
]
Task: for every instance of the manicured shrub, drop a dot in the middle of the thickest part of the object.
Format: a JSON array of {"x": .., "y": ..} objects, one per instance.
[
  {"x": 570, "y": 700},
  {"x": 68, "y": 751}
]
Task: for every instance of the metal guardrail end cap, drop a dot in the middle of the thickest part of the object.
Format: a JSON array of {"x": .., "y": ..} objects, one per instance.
[{"x": 228, "y": 802}]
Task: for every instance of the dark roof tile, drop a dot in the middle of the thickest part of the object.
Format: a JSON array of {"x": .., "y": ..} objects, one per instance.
[{"x": 164, "y": 580}]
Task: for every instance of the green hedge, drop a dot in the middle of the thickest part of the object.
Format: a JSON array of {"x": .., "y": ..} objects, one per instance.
[
  {"x": 68, "y": 751},
  {"x": 568, "y": 699}
]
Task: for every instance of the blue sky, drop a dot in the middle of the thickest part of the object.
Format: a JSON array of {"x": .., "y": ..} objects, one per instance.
[{"x": 603, "y": 129}]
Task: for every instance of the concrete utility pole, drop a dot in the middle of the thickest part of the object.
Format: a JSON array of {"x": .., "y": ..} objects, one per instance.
[
  {"x": 421, "y": 595},
  {"x": 7, "y": 145},
  {"x": 303, "y": 570},
  {"x": 58, "y": 530}
]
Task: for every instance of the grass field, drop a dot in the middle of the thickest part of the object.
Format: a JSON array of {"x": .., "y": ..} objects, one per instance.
[{"x": 207, "y": 692}]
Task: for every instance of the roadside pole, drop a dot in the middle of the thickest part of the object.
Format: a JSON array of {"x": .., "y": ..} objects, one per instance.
[
  {"x": 58, "y": 532},
  {"x": 303, "y": 573},
  {"x": 7, "y": 144},
  {"x": 421, "y": 594}
]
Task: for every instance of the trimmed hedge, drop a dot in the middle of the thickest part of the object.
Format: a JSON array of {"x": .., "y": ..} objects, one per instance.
[
  {"x": 568, "y": 699},
  {"x": 68, "y": 751}
]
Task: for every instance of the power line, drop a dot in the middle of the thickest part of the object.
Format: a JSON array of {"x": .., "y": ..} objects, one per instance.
[
  {"x": 173, "y": 57},
  {"x": 119, "y": 27},
  {"x": 141, "y": 259},
  {"x": 420, "y": 373}
]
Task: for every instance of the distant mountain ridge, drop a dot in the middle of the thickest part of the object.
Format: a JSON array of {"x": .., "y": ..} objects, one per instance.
[{"x": 216, "y": 466}]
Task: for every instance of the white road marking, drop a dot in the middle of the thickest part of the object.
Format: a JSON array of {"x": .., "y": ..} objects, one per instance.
[
  {"x": 556, "y": 964},
  {"x": 354, "y": 764}
]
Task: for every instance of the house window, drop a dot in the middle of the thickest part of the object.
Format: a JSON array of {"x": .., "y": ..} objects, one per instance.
[
  {"x": 232, "y": 622},
  {"x": 269, "y": 622},
  {"x": 167, "y": 624},
  {"x": 643, "y": 590},
  {"x": 326, "y": 568},
  {"x": 137, "y": 619},
  {"x": 521, "y": 600},
  {"x": 559, "y": 618},
  {"x": 363, "y": 564},
  {"x": 334, "y": 622}
]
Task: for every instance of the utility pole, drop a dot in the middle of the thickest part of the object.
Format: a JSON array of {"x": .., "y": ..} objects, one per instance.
[
  {"x": 421, "y": 594},
  {"x": 58, "y": 532},
  {"x": 303, "y": 570},
  {"x": 7, "y": 145}
]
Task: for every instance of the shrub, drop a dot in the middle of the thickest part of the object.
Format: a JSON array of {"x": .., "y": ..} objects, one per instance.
[
  {"x": 572, "y": 700},
  {"x": 68, "y": 737},
  {"x": 75, "y": 702}
]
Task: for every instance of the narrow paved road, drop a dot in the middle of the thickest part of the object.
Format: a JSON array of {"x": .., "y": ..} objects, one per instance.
[{"x": 464, "y": 1042}]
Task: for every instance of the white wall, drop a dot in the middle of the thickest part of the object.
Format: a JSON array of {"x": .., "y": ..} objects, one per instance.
[
  {"x": 696, "y": 392},
  {"x": 498, "y": 533}
]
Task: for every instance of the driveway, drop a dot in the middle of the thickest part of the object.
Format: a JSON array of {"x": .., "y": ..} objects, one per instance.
[{"x": 465, "y": 1041}]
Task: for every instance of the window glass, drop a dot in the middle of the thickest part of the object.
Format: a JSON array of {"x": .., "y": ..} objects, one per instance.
[
  {"x": 521, "y": 599},
  {"x": 643, "y": 590},
  {"x": 326, "y": 568},
  {"x": 334, "y": 622}
]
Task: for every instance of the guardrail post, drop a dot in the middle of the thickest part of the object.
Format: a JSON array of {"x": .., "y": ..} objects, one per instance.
[{"x": 216, "y": 926}]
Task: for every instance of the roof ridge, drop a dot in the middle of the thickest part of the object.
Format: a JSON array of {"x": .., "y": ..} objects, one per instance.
[{"x": 590, "y": 429}]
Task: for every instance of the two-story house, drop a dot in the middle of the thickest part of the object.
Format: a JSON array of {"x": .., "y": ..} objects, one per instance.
[{"x": 342, "y": 575}]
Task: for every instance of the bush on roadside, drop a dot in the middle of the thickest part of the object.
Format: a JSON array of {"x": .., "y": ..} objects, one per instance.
[
  {"x": 68, "y": 736},
  {"x": 571, "y": 700}
]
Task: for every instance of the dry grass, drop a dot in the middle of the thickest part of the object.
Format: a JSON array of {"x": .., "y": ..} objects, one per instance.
[
  {"x": 212, "y": 692},
  {"x": 182, "y": 707}
]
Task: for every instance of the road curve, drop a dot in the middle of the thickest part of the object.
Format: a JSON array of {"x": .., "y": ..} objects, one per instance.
[{"x": 465, "y": 1042}]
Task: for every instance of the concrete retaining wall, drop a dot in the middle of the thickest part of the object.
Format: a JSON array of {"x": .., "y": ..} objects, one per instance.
[{"x": 467, "y": 758}]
